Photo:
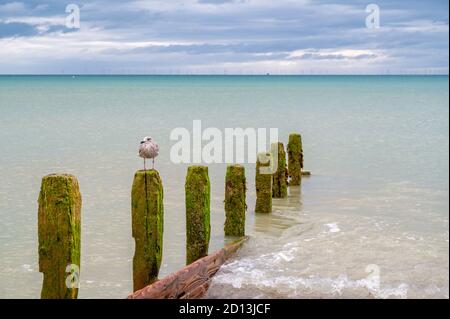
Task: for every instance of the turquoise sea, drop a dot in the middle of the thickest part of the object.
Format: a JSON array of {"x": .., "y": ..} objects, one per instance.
[{"x": 371, "y": 222}]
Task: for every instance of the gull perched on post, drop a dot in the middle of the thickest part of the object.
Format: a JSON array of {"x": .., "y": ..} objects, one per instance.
[{"x": 148, "y": 149}]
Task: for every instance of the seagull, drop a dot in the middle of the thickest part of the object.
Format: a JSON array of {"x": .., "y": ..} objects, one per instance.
[{"x": 148, "y": 149}]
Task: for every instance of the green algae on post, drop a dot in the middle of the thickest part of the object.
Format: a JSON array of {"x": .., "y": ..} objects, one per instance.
[
  {"x": 197, "y": 188},
  {"x": 59, "y": 228},
  {"x": 147, "y": 216},
  {"x": 295, "y": 159},
  {"x": 279, "y": 182},
  {"x": 235, "y": 205},
  {"x": 263, "y": 183}
]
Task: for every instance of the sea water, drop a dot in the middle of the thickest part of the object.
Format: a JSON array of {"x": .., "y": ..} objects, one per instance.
[{"x": 371, "y": 221}]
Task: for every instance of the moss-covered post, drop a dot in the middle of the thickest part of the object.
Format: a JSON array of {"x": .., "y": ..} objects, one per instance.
[
  {"x": 59, "y": 226},
  {"x": 295, "y": 159},
  {"x": 235, "y": 205},
  {"x": 263, "y": 183},
  {"x": 147, "y": 218},
  {"x": 198, "y": 227},
  {"x": 279, "y": 183}
]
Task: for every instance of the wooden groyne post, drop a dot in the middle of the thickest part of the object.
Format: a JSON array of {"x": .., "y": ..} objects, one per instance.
[
  {"x": 279, "y": 180},
  {"x": 147, "y": 215},
  {"x": 197, "y": 188},
  {"x": 235, "y": 205},
  {"x": 295, "y": 159},
  {"x": 59, "y": 231},
  {"x": 263, "y": 183}
]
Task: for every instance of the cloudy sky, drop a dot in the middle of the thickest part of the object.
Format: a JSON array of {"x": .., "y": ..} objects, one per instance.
[{"x": 224, "y": 36}]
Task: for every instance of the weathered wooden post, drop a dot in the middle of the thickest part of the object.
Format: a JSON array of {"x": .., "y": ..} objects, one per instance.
[
  {"x": 59, "y": 228},
  {"x": 147, "y": 216},
  {"x": 235, "y": 205},
  {"x": 263, "y": 183},
  {"x": 279, "y": 182},
  {"x": 295, "y": 159},
  {"x": 198, "y": 227}
]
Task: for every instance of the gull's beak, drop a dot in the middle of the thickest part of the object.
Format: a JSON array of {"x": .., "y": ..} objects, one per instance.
[{"x": 142, "y": 142}]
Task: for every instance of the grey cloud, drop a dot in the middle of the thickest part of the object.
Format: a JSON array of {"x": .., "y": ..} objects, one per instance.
[
  {"x": 316, "y": 56},
  {"x": 216, "y": 1},
  {"x": 245, "y": 31}
]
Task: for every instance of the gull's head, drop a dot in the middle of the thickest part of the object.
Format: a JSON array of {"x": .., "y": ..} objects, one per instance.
[{"x": 146, "y": 139}]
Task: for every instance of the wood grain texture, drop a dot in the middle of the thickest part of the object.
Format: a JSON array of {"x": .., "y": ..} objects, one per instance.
[{"x": 192, "y": 281}]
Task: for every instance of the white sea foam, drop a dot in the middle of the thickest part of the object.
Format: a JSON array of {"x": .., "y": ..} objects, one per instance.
[
  {"x": 27, "y": 267},
  {"x": 306, "y": 262},
  {"x": 244, "y": 275},
  {"x": 333, "y": 228}
]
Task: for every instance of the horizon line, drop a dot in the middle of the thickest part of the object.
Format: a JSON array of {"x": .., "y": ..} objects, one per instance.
[{"x": 215, "y": 74}]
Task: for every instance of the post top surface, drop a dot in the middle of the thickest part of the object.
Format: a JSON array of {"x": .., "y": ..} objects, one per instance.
[
  {"x": 60, "y": 176},
  {"x": 198, "y": 168},
  {"x": 148, "y": 171}
]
